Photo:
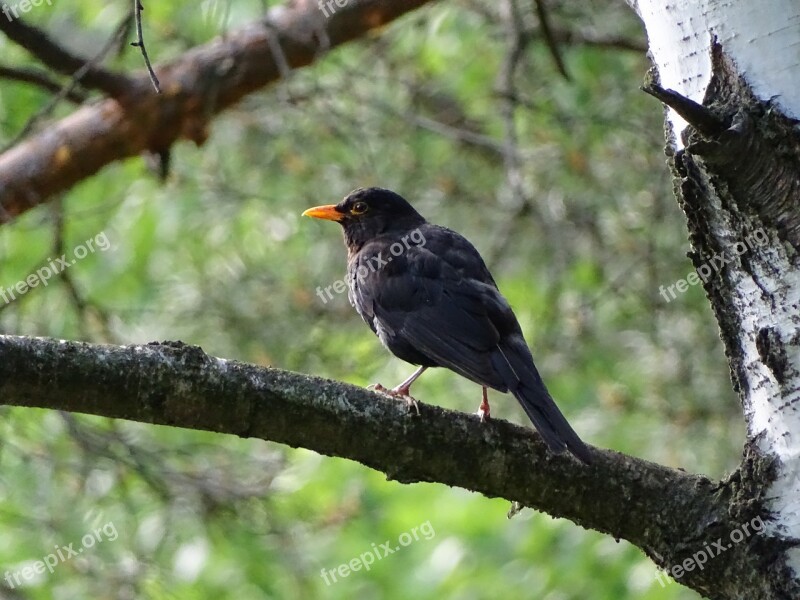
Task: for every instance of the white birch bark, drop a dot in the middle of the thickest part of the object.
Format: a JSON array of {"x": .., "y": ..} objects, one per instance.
[{"x": 762, "y": 37}]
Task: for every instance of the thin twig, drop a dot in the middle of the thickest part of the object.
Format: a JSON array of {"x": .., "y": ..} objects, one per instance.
[
  {"x": 137, "y": 15},
  {"x": 279, "y": 56},
  {"x": 544, "y": 23},
  {"x": 590, "y": 39},
  {"x": 40, "y": 45},
  {"x": 81, "y": 304},
  {"x": 508, "y": 106},
  {"x": 68, "y": 87},
  {"x": 41, "y": 79}
]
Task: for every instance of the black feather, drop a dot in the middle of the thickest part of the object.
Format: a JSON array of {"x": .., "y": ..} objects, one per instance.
[{"x": 434, "y": 303}]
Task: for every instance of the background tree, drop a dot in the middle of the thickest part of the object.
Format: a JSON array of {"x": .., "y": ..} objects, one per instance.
[{"x": 525, "y": 115}]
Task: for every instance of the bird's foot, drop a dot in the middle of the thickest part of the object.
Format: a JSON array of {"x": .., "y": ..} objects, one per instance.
[
  {"x": 484, "y": 412},
  {"x": 400, "y": 393}
]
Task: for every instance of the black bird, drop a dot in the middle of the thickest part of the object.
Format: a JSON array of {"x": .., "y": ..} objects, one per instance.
[{"x": 425, "y": 291}]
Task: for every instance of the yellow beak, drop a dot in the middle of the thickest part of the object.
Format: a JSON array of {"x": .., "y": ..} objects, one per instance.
[{"x": 327, "y": 212}]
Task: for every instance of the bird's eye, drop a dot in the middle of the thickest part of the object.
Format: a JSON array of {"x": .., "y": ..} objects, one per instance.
[{"x": 359, "y": 208}]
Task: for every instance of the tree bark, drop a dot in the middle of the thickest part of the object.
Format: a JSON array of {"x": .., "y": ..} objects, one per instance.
[
  {"x": 666, "y": 512},
  {"x": 729, "y": 74},
  {"x": 196, "y": 87}
]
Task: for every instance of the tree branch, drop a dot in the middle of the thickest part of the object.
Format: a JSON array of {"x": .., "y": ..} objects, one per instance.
[
  {"x": 41, "y": 79},
  {"x": 666, "y": 512},
  {"x": 550, "y": 41},
  {"x": 578, "y": 38},
  {"x": 59, "y": 59},
  {"x": 196, "y": 86},
  {"x": 701, "y": 117},
  {"x": 67, "y": 88}
]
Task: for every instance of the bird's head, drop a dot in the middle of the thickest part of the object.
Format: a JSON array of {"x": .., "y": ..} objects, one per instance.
[{"x": 366, "y": 213}]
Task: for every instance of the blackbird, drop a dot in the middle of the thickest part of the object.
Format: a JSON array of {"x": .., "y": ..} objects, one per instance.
[{"x": 425, "y": 291}]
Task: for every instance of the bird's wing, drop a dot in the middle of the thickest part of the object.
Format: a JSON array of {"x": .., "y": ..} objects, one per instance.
[
  {"x": 438, "y": 301},
  {"x": 456, "y": 333},
  {"x": 445, "y": 306}
]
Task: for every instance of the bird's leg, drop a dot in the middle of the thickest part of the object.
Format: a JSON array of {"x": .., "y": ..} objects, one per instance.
[
  {"x": 483, "y": 409},
  {"x": 402, "y": 390}
]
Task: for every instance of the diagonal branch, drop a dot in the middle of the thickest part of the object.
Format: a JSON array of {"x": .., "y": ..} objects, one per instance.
[
  {"x": 41, "y": 79},
  {"x": 196, "y": 86},
  {"x": 61, "y": 60},
  {"x": 552, "y": 44},
  {"x": 668, "y": 513},
  {"x": 69, "y": 86}
]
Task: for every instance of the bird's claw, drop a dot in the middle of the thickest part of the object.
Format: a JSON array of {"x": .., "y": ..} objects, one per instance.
[
  {"x": 484, "y": 415},
  {"x": 410, "y": 401}
]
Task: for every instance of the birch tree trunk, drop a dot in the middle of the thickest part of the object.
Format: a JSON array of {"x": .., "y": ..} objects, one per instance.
[{"x": 730, "y": 74}]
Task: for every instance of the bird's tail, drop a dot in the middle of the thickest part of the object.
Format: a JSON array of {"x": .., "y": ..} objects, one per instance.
[{"x": 525, "y": 383}]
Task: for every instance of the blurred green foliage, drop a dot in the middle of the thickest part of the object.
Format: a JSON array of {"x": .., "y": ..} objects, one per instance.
[{"x": 218, "y": 256}]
